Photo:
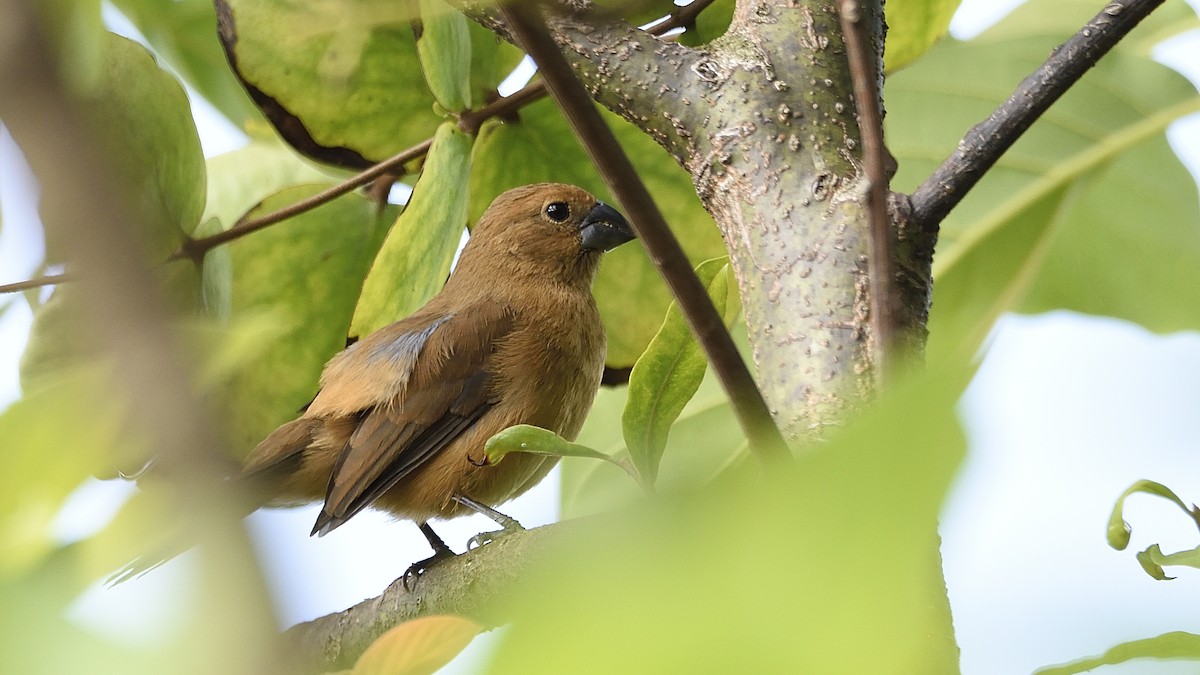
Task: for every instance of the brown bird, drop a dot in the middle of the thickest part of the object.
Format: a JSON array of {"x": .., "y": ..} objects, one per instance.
[{"x": 402, "y": 415}]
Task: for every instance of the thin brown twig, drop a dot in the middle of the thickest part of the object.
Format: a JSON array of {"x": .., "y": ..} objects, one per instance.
[
  {"x": 881, "y": 257},
  {"x": 529, "y": 29},
  {"x": 195, "y": 249},
  {"x": 983, "y": 145},
  {"x": 37, "y": 282}
]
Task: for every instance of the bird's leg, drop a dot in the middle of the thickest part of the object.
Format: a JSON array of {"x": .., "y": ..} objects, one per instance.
[
  {"x": 508, "y": 524},
  {"x": 440, "y": 552}
]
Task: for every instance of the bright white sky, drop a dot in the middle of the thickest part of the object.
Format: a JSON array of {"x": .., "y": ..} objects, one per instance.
[{"x": 1065, "y": 414}]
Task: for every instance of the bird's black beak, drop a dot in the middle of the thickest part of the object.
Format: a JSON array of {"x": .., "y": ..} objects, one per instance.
[{"x": 603, "y": 229}]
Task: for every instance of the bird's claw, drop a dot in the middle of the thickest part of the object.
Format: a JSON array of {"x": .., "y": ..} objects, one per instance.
[
  {"x": 485, "y": 538},
  {"x": 415, "y": 570}
]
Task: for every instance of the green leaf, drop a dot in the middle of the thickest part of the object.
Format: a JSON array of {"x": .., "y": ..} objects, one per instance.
[
  {"x": 444, "y": 47},
  {"x": 75, "y": 419},
  {"x": 184, "y": 34},
  {"x": 913, "y": 27},
  {"x": 538, "y": 147},
  {"x": 1119, "y": 530},
  {"x": 669, "y": 372},
  {"x": 144, "y": 120},
  {"x": 492, "y": 60},
  {"x": 304, "y": 275},
  {"x": 1153, "y": 560},
  {"x": 537, "y": 441},
  {"x": 870, "y": 577},
  {"x": 417, "y": 647},
  {"x": 1089, "y": 211},
  {"x": 415, "y": 259},
  {"x": 300, "y": 56},
  {"x": 1177, "y": 645}
]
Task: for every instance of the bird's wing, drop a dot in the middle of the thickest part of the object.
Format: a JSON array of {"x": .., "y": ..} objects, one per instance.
[{"x": 447, "y": 388}]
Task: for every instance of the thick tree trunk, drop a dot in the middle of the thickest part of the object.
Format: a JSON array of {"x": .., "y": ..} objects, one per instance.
[{"x": 764, "y": 120}]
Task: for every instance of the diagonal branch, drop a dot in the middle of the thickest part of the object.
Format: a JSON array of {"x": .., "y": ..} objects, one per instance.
[
  {"x": 529, "y": 28},
  {"x": 987, "y": 141},
  {"x": 881, "y": 262}
]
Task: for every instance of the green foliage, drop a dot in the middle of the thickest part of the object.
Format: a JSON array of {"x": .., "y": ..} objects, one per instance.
[
  {"x": 1177, "y": 645},
  {"x": 539, "y": 441},
  {"x": 444, "y": 48},
  {"x": 142, "y": 115},
  {"x": 913, "y": 27},
  {"x": 303, "y": 279},
  {"x": 184, "y": 34},
  {"x": 723, "y": 570},
  {"x": 785, "y": 573},
  {"x": 415, "y": 259},
  {"x": 668, "y": 374},
  {"x": 305, "y": 55},
  {"x": 1152, "y": 559},
  {"x": 1091, "y": 210},
  {"x": 32, "y": 489}
]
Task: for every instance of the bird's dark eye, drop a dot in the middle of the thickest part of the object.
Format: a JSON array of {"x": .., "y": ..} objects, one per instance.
[{"x": 558, "y": 211}]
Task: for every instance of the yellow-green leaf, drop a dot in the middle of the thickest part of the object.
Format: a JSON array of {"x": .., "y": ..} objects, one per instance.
[
  {"x": 444, "y": 46},
  {"x": 1119, "y": 530},
  {"x": 913, "y": 27},
  {"x": 415, "y": 259},
  {"x": 1177, "y": 645},
  {"x": 304, "y": 275},
  {"x": 669, "y": 372},
  {"x": 537, "y": 441}
]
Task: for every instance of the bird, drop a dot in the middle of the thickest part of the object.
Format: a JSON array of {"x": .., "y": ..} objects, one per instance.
[{"x": 401, "y": 416}]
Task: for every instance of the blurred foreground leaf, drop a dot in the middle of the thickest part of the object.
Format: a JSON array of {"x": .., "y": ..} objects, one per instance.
[
  {"x": 791, "y": 572},
  {"x": 1177, "y": 645},
  {"x": 417, "y": 647}
]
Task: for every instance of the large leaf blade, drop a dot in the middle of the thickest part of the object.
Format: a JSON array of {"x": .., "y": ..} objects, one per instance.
[{"x": 415, "y": 259}]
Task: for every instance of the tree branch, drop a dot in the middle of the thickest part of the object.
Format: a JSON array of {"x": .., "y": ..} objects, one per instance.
[
  {"x": 474, "y": 585},
  {"x": 882, "y": 257},
  {"x": 194, "y": 249},
  {"x": 987, "y": 141},
  {"x": 530, "y": 30},
  {"x": 37, "y": 282}
]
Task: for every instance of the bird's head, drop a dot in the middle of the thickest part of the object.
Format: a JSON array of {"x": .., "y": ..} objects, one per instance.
[{"x": 548, "y": 230}]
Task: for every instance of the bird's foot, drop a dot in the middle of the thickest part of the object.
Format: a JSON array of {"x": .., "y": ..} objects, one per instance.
[
  {"x": 508, "y": 525},
  {"x": 415, "y": 570},
  {"x": 440, "y": 552}
]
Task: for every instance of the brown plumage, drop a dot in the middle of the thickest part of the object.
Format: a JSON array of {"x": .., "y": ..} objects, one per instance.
[{"x": 514, "y": 338}]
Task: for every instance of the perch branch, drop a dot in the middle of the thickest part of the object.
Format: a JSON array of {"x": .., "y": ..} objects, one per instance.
[
  {"x": 987, "y": 141},
  {"x": 474, "y": 585},
  {"x": 881, "y": 262},
  {"x": 528, "y": 27}
]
